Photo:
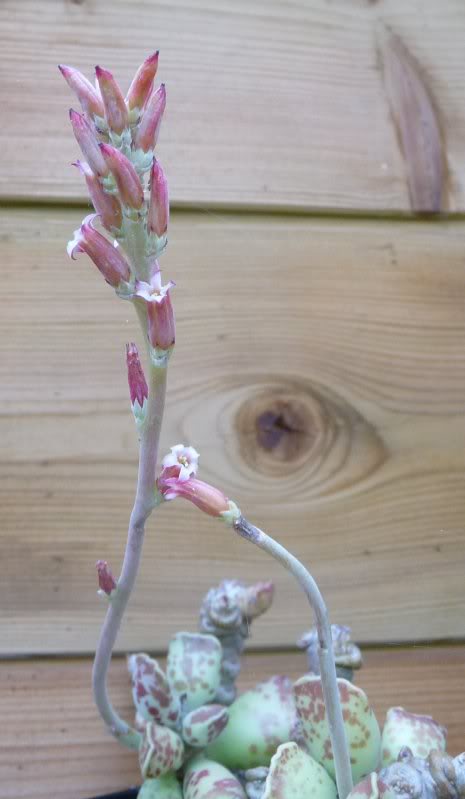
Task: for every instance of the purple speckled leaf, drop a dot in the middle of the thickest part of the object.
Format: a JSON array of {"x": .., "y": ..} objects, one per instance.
[
  {"x": 160, "y": 752},
  {"x": 294, "y": 774},
  {"x": 362, "y": 730},
  {"x": 205, "y": 779},
  {"x": 200, "y": 727},
  {"x": 193, "y": 668},
  {"x": 419, "y": 733},
  {"x": 151, "y": 692},
  {"x": 259, "y": 721}
]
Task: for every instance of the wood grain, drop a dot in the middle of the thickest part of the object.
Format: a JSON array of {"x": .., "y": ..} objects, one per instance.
[
  {"x": 270, "y": 104},
  {"x": 319, "y": 371},
  {"x": 52, "y": 742}
]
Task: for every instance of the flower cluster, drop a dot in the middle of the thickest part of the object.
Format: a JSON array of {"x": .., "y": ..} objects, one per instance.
[{"x": 117, "y": 136}]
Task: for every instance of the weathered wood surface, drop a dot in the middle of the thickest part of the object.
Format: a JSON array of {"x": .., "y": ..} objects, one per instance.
[
  {"x": 270, "y": 104},
  {"x": 52, "y": 743},
  {"x": 320, "y": 372}
]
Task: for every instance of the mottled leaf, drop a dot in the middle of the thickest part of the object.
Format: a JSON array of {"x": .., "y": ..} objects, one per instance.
[
  {"x": 259, "y": 721},
  {"x": 166, "y": 787},
  {"x": 205, "y": 779},
  {"x": 294, "y": 774},
  {"x": 193, "y": 668},
  {"x": 200, "y": 727},
  {"x": 161, "y": 751},
  {"x": 151, "y": 692},
  {"x": 419, "y": 733},
  {"x": 362, "y": 729},
  {"x": 366, "y": 788}
]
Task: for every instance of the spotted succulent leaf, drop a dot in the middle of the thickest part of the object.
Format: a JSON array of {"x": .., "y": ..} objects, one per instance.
[
  {"x": 294, "y": 773},
  {"x": 160, "y": 752},
  {"x": 259, "y": 721},
  {"x": 193, "y": 668},
  {"x": 201, "y": 726},
  {"x": 205, "y": 779},
  {"x": 151, "y": 692},
  {"x": 166, "y": 787},
  {"x": 419, "y": 733},
  {"x": 362, "y": 730}
]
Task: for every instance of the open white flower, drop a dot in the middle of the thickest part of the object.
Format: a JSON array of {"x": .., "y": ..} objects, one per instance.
[{"x": 187, "y": 458}]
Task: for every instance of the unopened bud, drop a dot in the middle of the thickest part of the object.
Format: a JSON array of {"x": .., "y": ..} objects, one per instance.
[
  {"x": 159, "y": 207},
  {"x": 106, "y": 205},
  {"x": 149, "y": 126},
  {"x": 90, "y": 101},
  {"x": 142, "y": 83},
  {"x": 126, "y": 177},
  {"x": 106, "y": 256},
  {"x": 138, "y": 389},
  {"x": 106, "y": 581},
  {"x": 87, "y": 140},
  {"x": 116, "y": 112}
]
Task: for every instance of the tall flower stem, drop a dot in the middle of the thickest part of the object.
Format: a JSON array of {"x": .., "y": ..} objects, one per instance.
[
  {"x": 327, "y": 664},
  {"x": 143, "y": 505}
]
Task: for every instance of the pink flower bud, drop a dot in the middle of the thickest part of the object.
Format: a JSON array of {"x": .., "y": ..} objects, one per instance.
[
  {"x": 149, "y": 126},
  {"x": 127, "y": 179},
  {"x": 206, "y": 497},
  {"x": 142, "y": 83},
  {"x": 138, "y": 389},
  {"x": 106, "y": 257},
  {"x": 116, "y": 112},
  {"x": 160, "y": 314},
  {"x": 88, "y": 143},
  {"x": 159, "y": 207},
  {"x": 88, "y": 97},
  {"x": 106, "y": 581},
  {"x": 106, "y": 205}
]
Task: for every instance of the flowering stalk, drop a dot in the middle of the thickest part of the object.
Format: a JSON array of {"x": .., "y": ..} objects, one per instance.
[
  {"x": 116, "y": 137},
  {"x": 173, "y": 483}
]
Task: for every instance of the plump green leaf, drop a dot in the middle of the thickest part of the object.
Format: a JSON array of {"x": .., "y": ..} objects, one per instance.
[
  {"x": 193, "y": 668},
  {"x": 166, "y": 787},
  {"x": 419, "y": 733},
  {"x": 205, "y": 779},
  {"x": 259, "y": 721}
]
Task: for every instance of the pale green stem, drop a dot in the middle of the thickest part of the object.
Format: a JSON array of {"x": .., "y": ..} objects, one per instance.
[
  {"x": 328, "y": 667},
  {"x": 143, "y": 506}
]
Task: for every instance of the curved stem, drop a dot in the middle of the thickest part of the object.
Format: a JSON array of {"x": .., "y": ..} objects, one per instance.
[
  {"x": 143, "y": 506},
  {"x": 327, "y": 664}
]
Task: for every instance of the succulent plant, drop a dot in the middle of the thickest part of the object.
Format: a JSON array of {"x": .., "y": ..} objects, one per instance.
[
  {"x": 259, "y": 721},
  {"x": 347, "y": 655},
  {"x": 227, "y": 612},
  {"x": 439, "y": 776},
  {"x": 362, "y": 730}
]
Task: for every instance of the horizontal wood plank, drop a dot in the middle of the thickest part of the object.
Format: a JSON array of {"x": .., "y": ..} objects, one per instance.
[
  {"x": 319, "y": 370},
  {"x": 270, "y": 104},
  {"x": 52, "y": 742}
]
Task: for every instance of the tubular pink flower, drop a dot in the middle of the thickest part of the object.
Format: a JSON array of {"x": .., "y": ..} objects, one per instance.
[
  {"x": 142, "y": 83},
  {"x": 206, "y": 497},
  {"x": 116, "y": 112},
  {"x": 106, "y": 257},
  {"x": 161, "y": 324},
  {"x": 106, "y": 205},
  {"x": 187, "y": 458},
  {"x": 106, "y": 581},
  {"x": 149, "y": 126},
  {"x": 138, "y": 389},
  {"x": 90, "y": 101},
  {"x": 88, "y": 143},
  {"x": 127, "y": 179},
  {"x": 159, "y": 206}
]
